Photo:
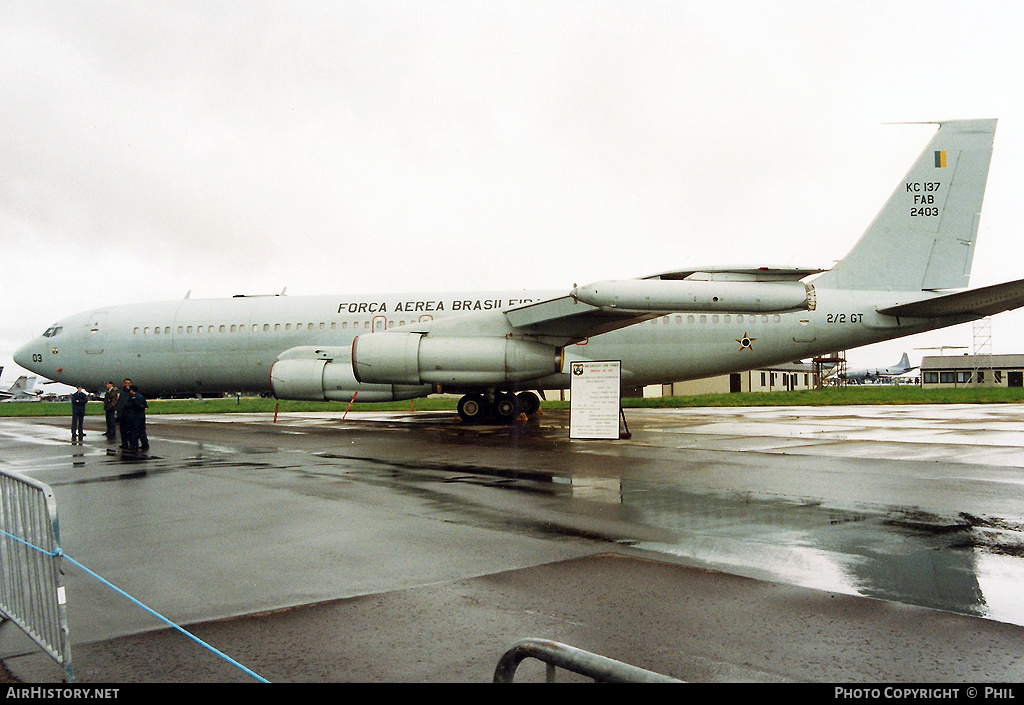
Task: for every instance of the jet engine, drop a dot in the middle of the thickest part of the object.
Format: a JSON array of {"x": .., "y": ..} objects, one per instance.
[
  {"x": 416, "y": 358},
  {"x": 309, "y": 373}
]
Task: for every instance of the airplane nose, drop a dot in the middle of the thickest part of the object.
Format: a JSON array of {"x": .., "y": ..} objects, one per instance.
[{"x": 23, "y": 356}]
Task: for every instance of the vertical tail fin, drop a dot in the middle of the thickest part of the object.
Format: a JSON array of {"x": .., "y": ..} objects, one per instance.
[
  {"x": 23, "y": 384},
  {"x": 923, "y": 239}
]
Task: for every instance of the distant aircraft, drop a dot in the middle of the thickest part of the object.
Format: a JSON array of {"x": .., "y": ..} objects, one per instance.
[
  {"x": 497, "y": 348},
  {"x": 874, "y": 373},
  {"x": 21, "y": 390}
]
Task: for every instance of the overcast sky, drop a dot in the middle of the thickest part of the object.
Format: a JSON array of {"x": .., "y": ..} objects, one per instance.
[{"x": 149, "y": 149}]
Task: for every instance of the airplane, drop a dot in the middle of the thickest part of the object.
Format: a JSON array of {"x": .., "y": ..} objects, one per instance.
[
  {"x": 873, "y": 373},
  {"x": 498, "y": 349},
  {"x": 21, "y": 390}
]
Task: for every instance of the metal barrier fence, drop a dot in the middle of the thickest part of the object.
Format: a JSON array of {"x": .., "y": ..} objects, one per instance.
[
  {"x": 601, "y": 668},
  {"x": 31, "y": 576}
]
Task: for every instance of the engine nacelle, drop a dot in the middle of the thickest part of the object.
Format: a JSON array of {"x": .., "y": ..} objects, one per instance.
[
  {"x": 415, "y": 358},
  {"x": 309, "y": 373}
]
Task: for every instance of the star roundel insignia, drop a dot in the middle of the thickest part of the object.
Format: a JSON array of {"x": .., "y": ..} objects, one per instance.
[{"x": 746, "y": 342}]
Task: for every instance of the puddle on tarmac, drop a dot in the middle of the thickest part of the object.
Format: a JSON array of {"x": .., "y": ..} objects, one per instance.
[
  {"x": 968, "y": 565},
  {"x": 963, "y": 564}
]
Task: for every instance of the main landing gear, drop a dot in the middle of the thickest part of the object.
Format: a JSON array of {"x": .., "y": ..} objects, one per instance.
[{"x": 499, "y": 407}]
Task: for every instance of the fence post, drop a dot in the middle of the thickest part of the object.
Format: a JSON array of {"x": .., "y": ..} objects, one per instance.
[{"x": 31, "y": 572}]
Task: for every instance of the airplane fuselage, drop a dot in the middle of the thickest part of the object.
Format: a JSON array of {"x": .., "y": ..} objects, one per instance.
[{"x": 191, "y": 346}]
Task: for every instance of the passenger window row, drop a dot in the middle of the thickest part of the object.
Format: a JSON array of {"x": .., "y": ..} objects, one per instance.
[
  {"x": 717, "y": 318},
  {"x": 255, "y": 328}
]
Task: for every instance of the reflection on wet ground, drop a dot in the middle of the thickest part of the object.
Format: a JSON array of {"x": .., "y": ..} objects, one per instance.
[
  {"x": 912, "y": 558},
  {"x": 964, "y": 564},
  {"x": 921, "y": 505},
  {"x": 965, "y": 561}
]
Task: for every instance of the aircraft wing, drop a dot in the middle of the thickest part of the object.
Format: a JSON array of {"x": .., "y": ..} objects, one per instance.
[
  {"x": 559, "y": 321},
  {"x": 605, "y": 306},
  {"x": 740, "y": 273},
  {"x": 986, "y": 301},
  {"x": 570, "y": 320}
]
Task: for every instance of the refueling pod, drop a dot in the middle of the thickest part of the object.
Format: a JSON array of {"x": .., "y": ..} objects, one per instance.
[{"x": 698, "y": 295}]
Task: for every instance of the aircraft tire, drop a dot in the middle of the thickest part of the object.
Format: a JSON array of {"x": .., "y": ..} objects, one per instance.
[
  {"x": 506, "y": 407},
  {"x": 529, "y": 402},
  {"x": 472, "y": 408}
]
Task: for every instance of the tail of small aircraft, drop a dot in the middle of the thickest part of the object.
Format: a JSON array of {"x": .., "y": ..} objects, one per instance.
[
  {"x": 923, "y": 239},
  {"x": 22, "y": 388},
  {"x": 22, "y": 384},
  {"x": 904, "y": 363}
]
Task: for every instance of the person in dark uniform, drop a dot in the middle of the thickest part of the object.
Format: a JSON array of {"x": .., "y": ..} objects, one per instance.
[
  {"x": 137, "y": 415},
  {"x": 121, "y": 410},
  {"x": 110, "y": 409},
  {"x": 78, "y": 402}
]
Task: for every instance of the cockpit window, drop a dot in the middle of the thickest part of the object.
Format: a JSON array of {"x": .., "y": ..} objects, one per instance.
[{"x": 53, "y": 331}]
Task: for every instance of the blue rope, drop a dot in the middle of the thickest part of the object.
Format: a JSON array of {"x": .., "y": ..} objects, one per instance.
[{"x": 61, "y": 554}]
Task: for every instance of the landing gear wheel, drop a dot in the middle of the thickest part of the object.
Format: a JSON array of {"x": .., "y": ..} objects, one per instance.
[
  {"x": 472, "y": 408},
  {"x": 506, "y": 407},
  {"x": 529, "y": 403}
]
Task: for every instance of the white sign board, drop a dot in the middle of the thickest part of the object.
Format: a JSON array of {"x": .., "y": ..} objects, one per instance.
[{"x": 594, "y": 399}]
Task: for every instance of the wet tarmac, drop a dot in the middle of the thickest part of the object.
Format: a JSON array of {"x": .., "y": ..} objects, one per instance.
[{"x": 756, "y": 544}]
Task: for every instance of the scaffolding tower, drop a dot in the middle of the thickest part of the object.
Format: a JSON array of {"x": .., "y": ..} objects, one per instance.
[
  {"x": 829, "y": 369},
  {"x": 983, "y": 373}
]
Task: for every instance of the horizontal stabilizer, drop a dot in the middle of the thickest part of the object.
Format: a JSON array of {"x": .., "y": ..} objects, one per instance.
[{"x": 985, "y": 301}]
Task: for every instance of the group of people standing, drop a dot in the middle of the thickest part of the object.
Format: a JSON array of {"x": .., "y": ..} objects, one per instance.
[{"x": 125, "y": 409}]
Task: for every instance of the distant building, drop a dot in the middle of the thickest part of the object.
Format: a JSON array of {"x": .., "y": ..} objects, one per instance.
[
  {"x": 780, "y": 378},
  {"x": 972, "y": 371}
]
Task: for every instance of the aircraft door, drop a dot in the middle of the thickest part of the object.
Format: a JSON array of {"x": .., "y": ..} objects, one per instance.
[
  {"x": 380, "y": 324},
  {"x": 804, "y": 332},
  {"x": 96, "y": 333}
]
